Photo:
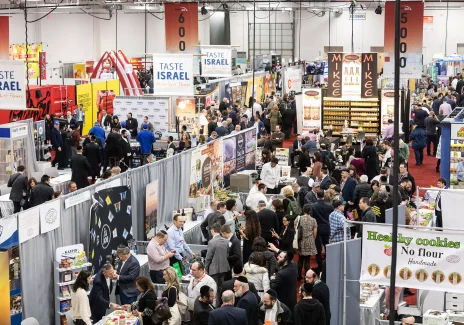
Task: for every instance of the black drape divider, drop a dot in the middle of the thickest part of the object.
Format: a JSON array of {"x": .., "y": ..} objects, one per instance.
[{"x": 219, "y": 28}]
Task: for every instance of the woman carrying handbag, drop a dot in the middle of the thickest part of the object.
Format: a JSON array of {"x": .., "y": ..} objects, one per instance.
[
  {"x": 171, "y": 291},
  {"x": 144, "y": 307}
]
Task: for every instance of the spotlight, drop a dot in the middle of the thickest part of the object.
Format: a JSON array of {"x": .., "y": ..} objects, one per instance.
[
  {"x": 378, "y": 10},
  {"x": 204, "y": 11},
  {"x": 225, "y": 6}
]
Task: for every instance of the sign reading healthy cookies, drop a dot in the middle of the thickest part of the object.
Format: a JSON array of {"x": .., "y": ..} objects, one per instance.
[{"x": 426, "y": 260}]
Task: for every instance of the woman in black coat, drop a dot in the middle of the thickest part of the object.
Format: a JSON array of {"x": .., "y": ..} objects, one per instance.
[
  {"x": 285, "y": 237},
  {"x": 369, "y": 154},
  {"x": 145, "y": 306},
  {"x": 304, "y": 161}
]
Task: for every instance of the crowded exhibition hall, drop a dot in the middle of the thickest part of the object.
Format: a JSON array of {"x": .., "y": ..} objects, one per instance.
[{"x": 261, "y": 162}]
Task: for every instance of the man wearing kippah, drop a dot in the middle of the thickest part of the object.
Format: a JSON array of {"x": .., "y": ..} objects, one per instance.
[
  {"x": 203, "y": 306},
  {"x": 248, "y": 300},
  {"x": 274, "y": 310}
]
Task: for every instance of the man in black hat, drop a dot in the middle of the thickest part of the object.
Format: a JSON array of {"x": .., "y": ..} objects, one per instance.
[
  {"x": 203, "y": 306},
  {"x": 248, "y": 300}
]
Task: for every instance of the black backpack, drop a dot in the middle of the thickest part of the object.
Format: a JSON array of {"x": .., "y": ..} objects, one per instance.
[{"x": 329, "y": 161}]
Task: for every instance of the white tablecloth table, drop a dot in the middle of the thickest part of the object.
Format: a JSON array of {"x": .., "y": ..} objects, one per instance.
[
  {"x": 370, "y": 310},
  {"x": 61, "y": 183},
  {"x": 6, "y": 205}
]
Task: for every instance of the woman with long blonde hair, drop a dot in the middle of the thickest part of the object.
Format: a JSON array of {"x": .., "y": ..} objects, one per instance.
[{"x": 171, "y": 291}]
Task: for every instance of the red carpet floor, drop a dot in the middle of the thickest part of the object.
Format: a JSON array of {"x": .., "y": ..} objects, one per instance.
[{"x": 424, "y": 175}]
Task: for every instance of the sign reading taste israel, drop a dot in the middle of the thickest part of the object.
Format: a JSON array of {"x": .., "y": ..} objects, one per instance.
[
  {"x": 12, "y": 91},
  {"x": 216, "y": 61},
  {"x": 173, "y": 74}
]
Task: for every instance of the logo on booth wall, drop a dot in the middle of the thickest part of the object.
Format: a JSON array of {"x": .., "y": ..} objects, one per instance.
[
  {"x": 145, "y": 109},
  {"x": 51, "y": 215},
  {"x": 156, "y": 110},
  {"x": 106, "y": 236}
]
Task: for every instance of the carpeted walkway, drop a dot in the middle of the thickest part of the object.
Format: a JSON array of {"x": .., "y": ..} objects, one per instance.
[{"x": 424, "y": 175}]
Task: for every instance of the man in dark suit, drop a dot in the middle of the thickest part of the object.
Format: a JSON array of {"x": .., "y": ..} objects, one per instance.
[
  {"x": 212, "y": 218},
  {"x": 320, "y": 292},
  {"x": 126, "y": 151},
  {"x": 227, "y": 314},
  {"x": 70, "y": 121},
  {"x": 113, "y": 152},
  {"x": 246, "y": 123},
  {"x": 348, "y": 185},
  {"x": 268, "y": 220},
  {"x": 235, "y": 250},
  {"x": 99, "y": 297},
  {"x": 131, "y": 125},
  {"x": 248, "y": 300},
  {"x": 127, "y": 273},
  {"x": 216, "y": 262},
  {"x": 272, "y": 307},
  {"x": 221, "y": 129},
  {"x": 297, "y": 145},
  {"x": 326, "y": 180},
  {"x": 18, "y": 184},
  {"x": 93, "y": 153},
  {"x": 229, "y": 284},
  {"x": 106, "y": 119},
  {"x": 42, "y": 192},
  {"x": 284, "y": 282},
  {"x": 203, "y": 306},
  {"x": 81, "y": 169},
  {"x": 57, "y": 143},
  {"x": 321, "y": 212}
]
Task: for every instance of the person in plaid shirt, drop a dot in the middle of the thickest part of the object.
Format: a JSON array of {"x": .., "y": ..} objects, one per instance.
[{"x": 337, "y": 221}]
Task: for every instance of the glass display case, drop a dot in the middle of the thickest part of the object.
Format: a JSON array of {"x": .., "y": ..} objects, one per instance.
[{"x": 13, "y": 145}]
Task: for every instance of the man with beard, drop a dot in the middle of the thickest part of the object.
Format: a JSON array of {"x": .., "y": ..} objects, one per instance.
[
  {"x": 309, "y": 310},
  {"x": 284, "y": 282},
  {"x": 248, "y": 300},
  {"x": 274, "y": 310},
  {"x": 320, "y": 291},
  {"x": 203, "y": 306}
]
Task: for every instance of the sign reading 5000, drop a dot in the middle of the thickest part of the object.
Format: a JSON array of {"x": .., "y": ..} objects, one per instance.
[{"x": 12, "y": 91}]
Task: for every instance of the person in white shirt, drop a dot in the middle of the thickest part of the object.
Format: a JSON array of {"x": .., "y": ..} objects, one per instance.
[
  {"x": 253, "y": 199},
  {"x": 204, "y": 120},
  {"x": 257, "y": 107},
  {"x": 454, "y": 83},
  {"x": 254, "y": 188},
  {"x": 200, "y": 279},
  {"x": 270, "y": 175},
  {"x": 79, "y": 300}
]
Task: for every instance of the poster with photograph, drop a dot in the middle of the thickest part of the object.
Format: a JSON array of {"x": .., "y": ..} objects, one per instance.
[
  {"x": 10, "y": 272},
  {"x": 110, "y": 223},
  {"x": 236, "y": 91},
  {"x": 311, "y": 108},
  {"x": 185, "y": 112},
  {"x": 18, "y": 52},
  {"x": 206, "y": 169},
  {"x": 387, "y": 108},
  {"x": 50, "y": 216},
  {"x": 292, "y": 80},
  {"x": 151, "y": 209},
  {"x": 351, "y": 77}
]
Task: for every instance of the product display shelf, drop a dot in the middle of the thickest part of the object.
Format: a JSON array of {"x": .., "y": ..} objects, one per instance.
[
  {"x": 334, "y": 115},
  {"x": 65, "y": 277},
  {"x": 361, "y": 115}
]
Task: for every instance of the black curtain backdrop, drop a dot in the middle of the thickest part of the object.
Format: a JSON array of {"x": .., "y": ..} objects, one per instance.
[{"x": 219, "y": 29}]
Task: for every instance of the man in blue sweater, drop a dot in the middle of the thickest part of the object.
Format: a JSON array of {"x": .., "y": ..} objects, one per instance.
[
  {"x": 98, "y": 132},
  {"x": 146, "y": 140}
]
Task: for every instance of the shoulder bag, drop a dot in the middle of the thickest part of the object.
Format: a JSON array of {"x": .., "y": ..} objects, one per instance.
[{"x": 161, "y": 312}]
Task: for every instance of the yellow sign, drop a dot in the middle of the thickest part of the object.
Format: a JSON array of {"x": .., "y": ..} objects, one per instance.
[
  {"x": 18, "y": 52},
  {"x": 84, "y": 97},
  {"x": 79, "y": 71}
]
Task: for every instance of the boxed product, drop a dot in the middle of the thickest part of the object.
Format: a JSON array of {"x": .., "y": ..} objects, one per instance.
[
  {"x": 66, "y": 276},
  {"x": 433, "y": 317},
  {"x": 455, "y": 316}
]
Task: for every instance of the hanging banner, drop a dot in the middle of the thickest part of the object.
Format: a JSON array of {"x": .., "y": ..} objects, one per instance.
[
  {"x": 216, "y": 61},
  {"x": 412, "y": 30},
  {"x": 426, "y": 260},
  {"x": 388, "y": 107},
  {"x": 155, "y": 108},
  {"x": 43, "y": 65},
  {"x": 151, "y": 209},
  {"x": 110, "y": 223},
  {"x": 181, "y": 25},
  {"x": 351, "y": 79},
  {"x": 29, "y": 222},
  {"x": 239, "y": 153},
  {"x": 312, "y": 108},
  {"x": 4, "y": 37},
  {"x": 335, "y": 63},
  {"x": 428, "y": 23},
  {"x": 173, "y": 74},
  {"x": 12, "y": 89},
  {"x": 18, "y": 52},
  {"x": 292, "y": 80},
  {"x": 369, "y": 75},
  {"x": 50, "y": 216}
]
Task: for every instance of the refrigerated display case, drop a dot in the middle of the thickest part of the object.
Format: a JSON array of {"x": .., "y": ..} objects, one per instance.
[{"x": 13, "y": 145}]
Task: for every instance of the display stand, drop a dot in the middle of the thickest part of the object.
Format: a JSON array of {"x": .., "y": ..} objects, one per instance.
[
  {"x": 65, "y": 277},
  {"x": 361, "y": 115},
  {"x": 452, "y": 149},
  {"x": 13, "y": 142}
]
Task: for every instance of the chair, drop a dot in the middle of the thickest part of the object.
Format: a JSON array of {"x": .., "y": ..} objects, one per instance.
[
  {"x": 30, "y": 321},
  {"x": 51, "y": 171}
]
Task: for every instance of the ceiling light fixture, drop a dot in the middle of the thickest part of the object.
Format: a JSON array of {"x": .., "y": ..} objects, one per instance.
[
  {"x": 378, "y": 10},
  {"x": 225, "y": 6}
]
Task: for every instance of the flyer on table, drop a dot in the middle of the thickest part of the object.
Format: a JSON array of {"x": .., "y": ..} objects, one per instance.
[{"x": 425, "y": 260}]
